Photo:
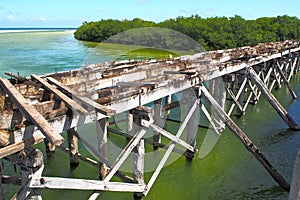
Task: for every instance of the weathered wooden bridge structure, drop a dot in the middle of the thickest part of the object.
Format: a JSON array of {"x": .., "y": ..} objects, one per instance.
[{"x": 38, "y": 109}]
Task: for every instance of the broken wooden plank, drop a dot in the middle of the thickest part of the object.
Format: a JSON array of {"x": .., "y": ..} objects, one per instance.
[
  {"x": 61, "y": 96},
  {"x": 84, "y": 100},
  {"x": 29, "y": 112},
  {"x": 16, "y": 147},
  {"x": 16, "y": 76},
  {"x": 4, "y": 137}
]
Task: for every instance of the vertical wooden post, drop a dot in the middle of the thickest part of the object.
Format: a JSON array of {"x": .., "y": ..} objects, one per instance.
[
  {"x": 157, "y": 119},
  {"x": 138, "y": 164},
  {"x": 168, "y": 101},
  {"x": 139, "y": 151},
  {"x": 31, "y": 162},
  {"x": 73, "y": 147},
  {"x": 218, "y": 91},
  {"x": 129, "y": 124},
  {"x": 273, "y": 101},
  {"x": 242, "y": 87},
  {"x": 192, "y": 126},
  {"x": 101, "y": 126},
  {"x": 50, "y": 148}
]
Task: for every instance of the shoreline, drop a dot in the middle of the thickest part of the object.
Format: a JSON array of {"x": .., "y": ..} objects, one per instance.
[{"x": 28, "y": 30}]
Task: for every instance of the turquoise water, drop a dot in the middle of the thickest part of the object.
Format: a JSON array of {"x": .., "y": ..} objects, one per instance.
[{"x": 228, "y": 172}]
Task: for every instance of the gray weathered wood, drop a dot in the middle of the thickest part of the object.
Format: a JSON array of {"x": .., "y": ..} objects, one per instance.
[
  {"x": 61, "y": 96},
  {"x": 246, "y": 141},
  {"x": 84, "y": 100},
  {"x": 16, "y": 147},
  {"x": 138, "y": 166},
  {"x": 168, "y": 135},
  {"x": 272, "y": 100},
  {"x": 30, "y": 112},
  {"x": 169, "y": 150},
  {"x": 157, "y": 120},
  {"x": 285, "y": 81},
  {"x": 84, "y": 184}
]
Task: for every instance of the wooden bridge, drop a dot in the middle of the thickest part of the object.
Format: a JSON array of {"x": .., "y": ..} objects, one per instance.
[{"x": 39, "y": 108}]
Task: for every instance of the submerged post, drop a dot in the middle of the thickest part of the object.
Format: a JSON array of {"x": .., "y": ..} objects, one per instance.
[
  {"x": 157, "y": 119},
  {"x": 192, "y": 125},
  {"x": 101, "y": 127},
  {"x": 73, "y": 147},
  {"x": 218, "y": 92}
]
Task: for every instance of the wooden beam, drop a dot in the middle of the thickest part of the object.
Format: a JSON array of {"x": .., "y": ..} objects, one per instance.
[
  {"x": 241, "y": 90},
  {"x": 285, "y": 80},
  {"x": 273, "y": 101},
  {"x": 29, "y": 112},
  {"x": 84, "y": 100},
  {"x": 245, "y": 140},
  {"x": 168, "y": 135},
  {"x": 84, "y": 184},
  {"x": 61, "y": 96},
  {"x": 124, "y": 154}
]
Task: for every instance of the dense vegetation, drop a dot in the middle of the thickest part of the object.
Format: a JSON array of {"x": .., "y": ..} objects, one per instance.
[{"x": 211, "y": 33}]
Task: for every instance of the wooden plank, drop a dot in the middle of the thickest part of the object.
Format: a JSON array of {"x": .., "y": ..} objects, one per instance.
[
  {"x": 84, "y": 184},
  {"x": 61, "y": 96},
  {"x": 168, "y": 135},
  {"x": 148, "y": 141},
  {"x": 16, "y": 76},
  {"x": 292, "y": 69},
  {"x": 84, "y": 100},
  {"x": 30, "y": 113},
  {"x": 246, "y": 141},
  {"x": 273, "y": 101}
]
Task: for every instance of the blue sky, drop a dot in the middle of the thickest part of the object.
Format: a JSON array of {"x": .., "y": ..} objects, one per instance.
[{"x": 71, "y": 13}]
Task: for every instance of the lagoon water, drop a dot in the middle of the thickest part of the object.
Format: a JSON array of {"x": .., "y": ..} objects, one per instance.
[{"x": 227, "y": 172}]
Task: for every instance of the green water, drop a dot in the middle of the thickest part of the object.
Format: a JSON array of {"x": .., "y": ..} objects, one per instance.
[{"x": 227, "y": 172}]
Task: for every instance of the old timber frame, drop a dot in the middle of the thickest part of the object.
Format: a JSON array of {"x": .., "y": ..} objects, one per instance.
[{"x": 38, "y": 108}]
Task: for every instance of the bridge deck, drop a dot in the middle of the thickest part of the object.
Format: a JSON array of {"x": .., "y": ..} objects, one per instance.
[{"x": 96, "y": 92}]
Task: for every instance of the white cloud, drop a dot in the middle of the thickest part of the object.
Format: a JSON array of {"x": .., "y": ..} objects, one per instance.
[
  {"x": 11, "y": 18},
  {"x": 43, "y": 19}
]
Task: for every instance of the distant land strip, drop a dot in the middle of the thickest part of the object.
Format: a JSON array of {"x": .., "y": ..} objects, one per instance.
[{"x": 212, "y": 33}]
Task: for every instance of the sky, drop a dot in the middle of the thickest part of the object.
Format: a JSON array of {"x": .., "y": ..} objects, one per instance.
[{"x": 71, "y": 13}]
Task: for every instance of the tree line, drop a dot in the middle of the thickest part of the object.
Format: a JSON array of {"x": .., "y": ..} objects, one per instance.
[{"x": 212, "y": 33}]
